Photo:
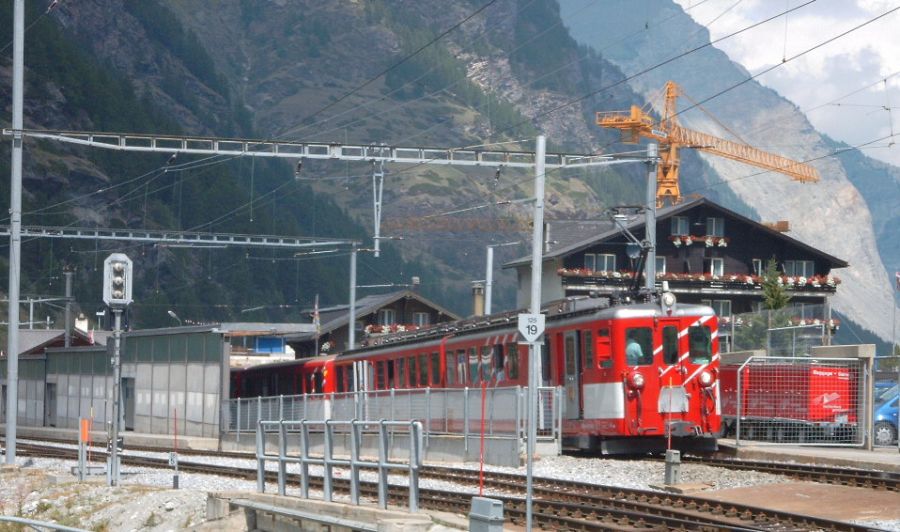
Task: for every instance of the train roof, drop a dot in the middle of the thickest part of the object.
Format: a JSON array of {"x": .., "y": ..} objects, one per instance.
[{"x": 583, "y": 307}]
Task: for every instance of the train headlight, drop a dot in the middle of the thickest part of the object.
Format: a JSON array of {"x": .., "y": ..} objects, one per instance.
[
  {"x": 636, "y": 380},
  {"x": 706, "y": 379}
]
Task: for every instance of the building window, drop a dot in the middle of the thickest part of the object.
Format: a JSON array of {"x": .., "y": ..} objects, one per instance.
[
  {"x": 606, "y": 262},
  {"x": 799, "y": 267},
  {"x": 803, "y": 311},
  {"x": 600, "y": 262},
  {"x": 758, "y": 268},
  {"x": 722, "y": 307},
  {"x": 716, "y": 266},
  {"x": 660, "y": 265},
  {"x": 680, "y": 225},
  {"x": 715, "y": 226},
  {"x": 420, "y": 319},
  {"x": 386, "y": 316}
]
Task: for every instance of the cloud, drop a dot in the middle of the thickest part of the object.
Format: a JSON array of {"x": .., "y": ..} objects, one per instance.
[{"x": 827, "y": 74}]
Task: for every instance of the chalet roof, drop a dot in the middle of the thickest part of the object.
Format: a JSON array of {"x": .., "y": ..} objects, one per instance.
[
  {"x": 568, "y": 237},
  {"x": 337, "y": 316}
]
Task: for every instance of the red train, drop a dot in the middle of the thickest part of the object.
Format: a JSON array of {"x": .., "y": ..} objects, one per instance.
[{"x": 634, "y": 375}]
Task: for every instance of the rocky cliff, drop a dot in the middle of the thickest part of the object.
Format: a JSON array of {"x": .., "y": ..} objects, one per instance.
[{"x": 847, "y": 214}]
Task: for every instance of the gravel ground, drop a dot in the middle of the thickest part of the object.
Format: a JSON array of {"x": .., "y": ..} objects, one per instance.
[{"x": 146, "y": 502}]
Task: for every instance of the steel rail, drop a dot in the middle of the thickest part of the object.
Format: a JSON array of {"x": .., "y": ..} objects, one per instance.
[{"x": 567, "y": 504}]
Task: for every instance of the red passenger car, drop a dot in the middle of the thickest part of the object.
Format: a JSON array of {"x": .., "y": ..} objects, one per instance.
[{"x": 635, "y": 376}]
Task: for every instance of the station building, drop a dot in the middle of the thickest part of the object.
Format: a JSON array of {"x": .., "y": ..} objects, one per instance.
[{"x": 173, "y": 379}]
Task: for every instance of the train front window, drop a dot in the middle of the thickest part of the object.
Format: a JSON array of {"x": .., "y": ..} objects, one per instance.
[
  {"x": 638, "y": 346},
  {"x": 670, "y": 344},
  {"x": 700, "y": 338}
]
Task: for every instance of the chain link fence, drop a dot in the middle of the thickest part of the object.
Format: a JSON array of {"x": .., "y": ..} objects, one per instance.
[{"x": 787, "y": 400}]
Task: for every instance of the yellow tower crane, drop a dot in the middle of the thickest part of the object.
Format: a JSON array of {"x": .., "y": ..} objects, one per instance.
[{"x": 671, "y": 136}]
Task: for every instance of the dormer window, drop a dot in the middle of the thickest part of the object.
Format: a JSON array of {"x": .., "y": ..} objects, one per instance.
[
  {"x": 805, "y": 268},
  {"x": 680, "y": 226},
  {"x": 600, "y": 262},
  {"x": 715, "y": 226},
  {"x": 386, "y": 316}
]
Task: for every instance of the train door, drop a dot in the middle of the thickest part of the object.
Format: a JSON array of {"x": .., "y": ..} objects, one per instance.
[
  {"x": 572, "y": 375},
  {"x": 672, "y": 401}
]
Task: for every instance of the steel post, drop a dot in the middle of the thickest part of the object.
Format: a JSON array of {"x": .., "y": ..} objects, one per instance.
[
  {"x": 355, "y": 443},
  {"x": 488, "y": 280},
  {"x": 352, "y": 325},
  {"x": 260, "y": 458},
  {"x": 67, "y": 334},
  {"x": 382, "y": 470},
  {"x": 327, "y": 463},
  {"x": 304, "y": 459},
  {"x": 650, "y": 217},
  {"x": 117, "y": 398},
  {"x": 282, "y": 454},
  {"x": 534, "y": 360},
  {"x": 15, "y": 231}
]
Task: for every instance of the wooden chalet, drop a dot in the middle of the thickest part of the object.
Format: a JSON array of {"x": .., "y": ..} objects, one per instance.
[
  {"x": 707, "y": 253},
  {"x": 403, "y": 310}
]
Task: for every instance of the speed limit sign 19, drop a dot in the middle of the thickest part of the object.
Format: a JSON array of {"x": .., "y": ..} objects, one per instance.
[{"x": 531, "y": 326}]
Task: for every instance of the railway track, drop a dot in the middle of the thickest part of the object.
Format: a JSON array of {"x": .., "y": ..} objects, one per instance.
[
  {"x": 558, "y": 504},
  {"x": 861, "y": 478}
]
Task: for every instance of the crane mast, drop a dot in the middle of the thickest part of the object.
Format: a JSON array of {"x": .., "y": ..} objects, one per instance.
[{"x": 636, "y": 124}]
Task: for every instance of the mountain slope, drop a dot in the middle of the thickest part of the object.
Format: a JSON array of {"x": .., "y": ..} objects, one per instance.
[{"x": 833, "y": 215}]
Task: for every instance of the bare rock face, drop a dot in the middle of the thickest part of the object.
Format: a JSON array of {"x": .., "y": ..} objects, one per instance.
[{"x": 832, "y": 215}]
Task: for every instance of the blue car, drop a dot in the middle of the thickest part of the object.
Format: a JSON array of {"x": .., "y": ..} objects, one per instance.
[{"x": 886, "y": 416}]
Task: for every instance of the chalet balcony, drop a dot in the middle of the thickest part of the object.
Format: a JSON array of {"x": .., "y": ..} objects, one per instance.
[
  {"x": 747, "y": 320},
  {"x": 584, "y": 279}
]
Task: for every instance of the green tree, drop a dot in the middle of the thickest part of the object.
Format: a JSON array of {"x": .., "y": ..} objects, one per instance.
[{"x": 774, "y": 295}]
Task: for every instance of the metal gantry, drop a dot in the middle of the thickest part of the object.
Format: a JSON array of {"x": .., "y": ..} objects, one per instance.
[
  {"x": 177, "y": 238},
  {"x": 148, "y": 143}
]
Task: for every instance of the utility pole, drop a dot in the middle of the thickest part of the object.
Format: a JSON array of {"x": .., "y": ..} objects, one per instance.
[
  {"x": 352, "y": 325},
  {"x": 377, "y": 189},
  {"x": 534, "y": 366},
  {"x": 67, "y": 271},
  {"x": 650, "y": 217},
  {"x": 15, "y": 228}
]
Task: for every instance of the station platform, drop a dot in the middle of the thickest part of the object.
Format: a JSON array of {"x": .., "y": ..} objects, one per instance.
[{"x": 878, "y": 459}]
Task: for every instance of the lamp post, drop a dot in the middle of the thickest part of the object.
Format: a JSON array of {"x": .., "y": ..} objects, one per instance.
[
  {"x": 176, "y": 318},
  {"x": 116, "y": 294}
]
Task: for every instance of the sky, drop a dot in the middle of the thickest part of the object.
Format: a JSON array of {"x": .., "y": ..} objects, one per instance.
[{"x": 821, "y": 82}]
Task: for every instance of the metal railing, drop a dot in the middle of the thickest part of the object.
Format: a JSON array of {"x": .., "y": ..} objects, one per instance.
[
  {"x": 796, "y": 401},
  {"x": 440, "y": 411},
  {"x": 355, "y": 430},
  {"x": 38, "y": 525}
]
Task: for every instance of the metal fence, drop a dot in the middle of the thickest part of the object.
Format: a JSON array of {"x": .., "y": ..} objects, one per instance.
[
  {"x": 787, "y": 400},
  {"x": 303, "y": 458},
  {"x": 501, "y": 411}
]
